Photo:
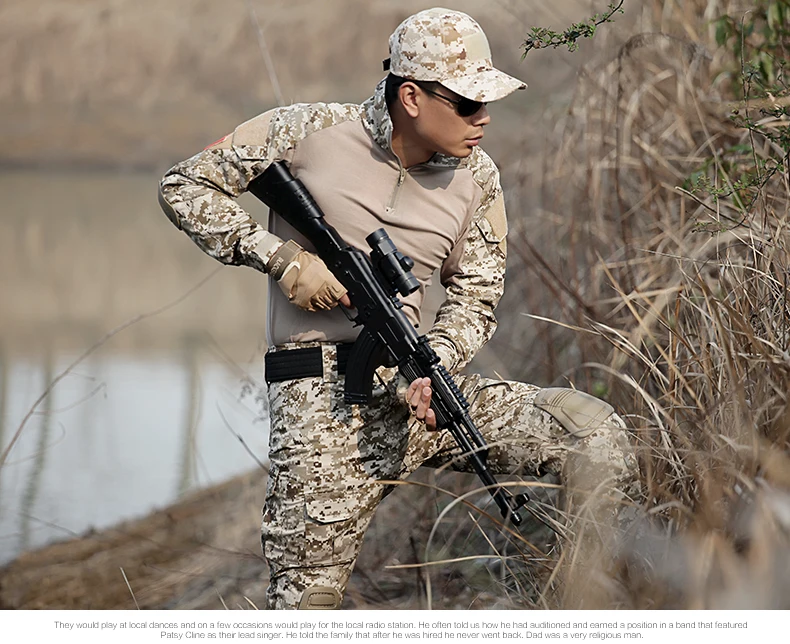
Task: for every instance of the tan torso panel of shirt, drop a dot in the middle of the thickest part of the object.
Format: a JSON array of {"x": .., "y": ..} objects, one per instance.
[{"x": 360, "y": 187}]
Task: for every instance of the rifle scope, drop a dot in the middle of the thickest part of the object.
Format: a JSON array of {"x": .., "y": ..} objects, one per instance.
[{"x": 391, "y": 263}]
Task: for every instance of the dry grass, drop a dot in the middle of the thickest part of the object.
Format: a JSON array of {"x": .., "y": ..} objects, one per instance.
[{"x": 673, "y": 305}]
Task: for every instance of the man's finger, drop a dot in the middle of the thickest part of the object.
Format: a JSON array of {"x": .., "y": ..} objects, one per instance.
[
  {"x": 415, "y": 393},
  {"x": 346, "y": 301},
  {"x": 413, "y": 396},
  {"x": 430, "y": 419},
  {"x": 418, "y": 397},
  {"x": 423, "y": 398}
]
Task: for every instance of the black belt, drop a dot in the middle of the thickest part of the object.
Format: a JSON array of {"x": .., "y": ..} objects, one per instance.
[{"x": 292, "y": 364}]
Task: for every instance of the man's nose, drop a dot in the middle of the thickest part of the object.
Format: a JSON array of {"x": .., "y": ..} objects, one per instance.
[{"x": 481, "y": 117}]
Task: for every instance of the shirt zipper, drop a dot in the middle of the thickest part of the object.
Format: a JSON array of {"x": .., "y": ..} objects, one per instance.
[{"x": 396, "y": 191}]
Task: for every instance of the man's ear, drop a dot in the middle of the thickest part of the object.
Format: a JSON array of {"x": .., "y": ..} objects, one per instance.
[{"x": 408, "y": 97}]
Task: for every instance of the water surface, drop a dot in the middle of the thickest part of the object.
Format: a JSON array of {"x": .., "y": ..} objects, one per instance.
[{"x": 164, "y": 407}]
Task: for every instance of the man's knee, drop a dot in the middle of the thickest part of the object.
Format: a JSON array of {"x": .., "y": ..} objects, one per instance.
[
  {"x": 307, "y": 588},
  {"x": 310, "y": 546},
  {"x": 320, "y": 598},
  {"x": 603, "y": 451},
  {"x": 578, "y": 412}
]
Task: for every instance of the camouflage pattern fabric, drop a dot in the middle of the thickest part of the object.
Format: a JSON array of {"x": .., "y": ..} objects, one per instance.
[
  {"x": 449, "y": 47},
  {"x": 327, "y": 459},
  {"x": 198, "y": 195},
  {"x": 466, "y": 321}
]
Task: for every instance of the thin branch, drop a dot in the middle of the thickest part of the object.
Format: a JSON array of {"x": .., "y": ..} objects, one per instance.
[
  {"x": 129, "y": 586},
  {"x": 267, "y": 58}
]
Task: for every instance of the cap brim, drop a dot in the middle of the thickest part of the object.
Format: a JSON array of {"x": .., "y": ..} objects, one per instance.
[{"x": 486, "y": 86}]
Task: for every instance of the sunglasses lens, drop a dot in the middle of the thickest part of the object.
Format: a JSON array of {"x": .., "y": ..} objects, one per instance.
[{"x": 468, "y": 107}]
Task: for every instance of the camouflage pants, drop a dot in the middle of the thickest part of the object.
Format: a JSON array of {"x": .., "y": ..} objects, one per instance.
[{"x": 326, "y": 457}]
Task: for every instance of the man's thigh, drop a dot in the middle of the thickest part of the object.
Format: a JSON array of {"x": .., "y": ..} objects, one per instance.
[
  {"x": 524, "y": 438},
  {"x": 326, "y": 461}
]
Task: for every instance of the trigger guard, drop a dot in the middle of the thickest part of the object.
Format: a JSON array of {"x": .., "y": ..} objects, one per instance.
[{"x": 348, "y": 313}]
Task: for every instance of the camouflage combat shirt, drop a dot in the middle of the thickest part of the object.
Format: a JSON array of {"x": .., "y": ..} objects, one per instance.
[{"x": 447, "y": 214}]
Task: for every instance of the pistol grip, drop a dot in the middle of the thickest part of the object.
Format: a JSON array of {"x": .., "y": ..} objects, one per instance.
[{"x": 367, "y": 355}]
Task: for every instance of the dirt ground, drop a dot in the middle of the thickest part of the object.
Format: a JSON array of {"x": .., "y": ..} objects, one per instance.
[{"x": 204, "y": 553}]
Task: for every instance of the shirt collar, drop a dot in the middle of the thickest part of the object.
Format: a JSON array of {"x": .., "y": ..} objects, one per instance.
[{"x": 377, "y": 121}]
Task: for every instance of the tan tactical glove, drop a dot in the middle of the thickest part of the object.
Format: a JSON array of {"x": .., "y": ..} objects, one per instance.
[{"x": 304, "y": 278}]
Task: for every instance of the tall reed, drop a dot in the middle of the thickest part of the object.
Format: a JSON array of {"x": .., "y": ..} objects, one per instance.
[{"x": 658, "y": 267}]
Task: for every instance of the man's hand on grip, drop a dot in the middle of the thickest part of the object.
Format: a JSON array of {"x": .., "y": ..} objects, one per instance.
[
  {"x": 418, "y": 397},
  {"x": 305, "y": 279}
]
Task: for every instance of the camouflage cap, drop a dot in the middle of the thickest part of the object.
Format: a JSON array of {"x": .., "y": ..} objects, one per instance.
[{"x": 451, "y": 48}]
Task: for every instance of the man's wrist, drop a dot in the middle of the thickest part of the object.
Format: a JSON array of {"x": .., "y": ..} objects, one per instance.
[
  {"x": 283, "y": 259},
  {"x": 267, "y": 248},
  {"x": 446, "y": 352}
]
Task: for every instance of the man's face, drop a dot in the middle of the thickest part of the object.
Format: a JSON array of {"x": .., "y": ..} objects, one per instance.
[{"x": 442, "y": 129}]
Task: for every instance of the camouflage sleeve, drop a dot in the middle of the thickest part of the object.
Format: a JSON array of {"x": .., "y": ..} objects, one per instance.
[
  {"x": 198, "y": 195},
  {"x": 466, "y": 321}
]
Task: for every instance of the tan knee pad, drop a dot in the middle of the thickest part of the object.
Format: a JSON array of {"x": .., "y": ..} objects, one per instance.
[
  {"x": 579, "y": 413},
  {"x": 320, "y": 598}
]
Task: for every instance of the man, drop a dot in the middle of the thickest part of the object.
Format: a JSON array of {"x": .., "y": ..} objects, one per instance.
[{"x": 407, "y": 159}]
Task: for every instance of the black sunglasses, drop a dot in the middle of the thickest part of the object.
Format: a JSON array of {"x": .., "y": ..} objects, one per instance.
[{"x": 463, "y": 106}]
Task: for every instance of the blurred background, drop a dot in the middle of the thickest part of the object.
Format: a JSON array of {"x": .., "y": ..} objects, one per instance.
[
  {"x": 99, "y": 98},
  {"x": 646, "y": 179}
]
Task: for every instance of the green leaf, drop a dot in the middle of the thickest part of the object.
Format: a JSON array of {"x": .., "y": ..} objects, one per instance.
[
  {"x": 740, "y": 148},
  {"x": 766, "y": 63},
  {"x": 722, "y": 32},
  {"x": 774, "y": 16}
]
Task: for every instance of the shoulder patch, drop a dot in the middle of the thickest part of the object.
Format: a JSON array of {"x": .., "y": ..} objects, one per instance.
[
  {"x": 486, "y": 175},
  {"x": 497, "y": 219},
  {"x": 219, "y": 143},
  {"x": 253, "y": 132}
]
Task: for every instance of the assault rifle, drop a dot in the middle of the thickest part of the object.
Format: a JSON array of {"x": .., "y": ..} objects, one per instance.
[{"x": 387, "y": 336}]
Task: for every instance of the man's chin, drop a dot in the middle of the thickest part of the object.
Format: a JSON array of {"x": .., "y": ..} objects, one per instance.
[
  {"x": 460, "y": 151},
  {"x": 463, "y": 152}
]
